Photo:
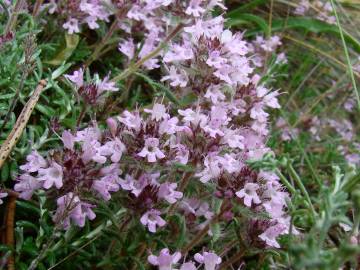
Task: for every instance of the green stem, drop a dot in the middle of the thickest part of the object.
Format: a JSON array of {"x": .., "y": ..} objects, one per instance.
[
  {"x": 13, "y": 17},
  {"x": 286, "y": 182},
  {"x": 37, "y": 7},
  {"x": 105, "y": 39},
  {"x": 302, "y": 188},
  {"x": 350, "y": 70}
]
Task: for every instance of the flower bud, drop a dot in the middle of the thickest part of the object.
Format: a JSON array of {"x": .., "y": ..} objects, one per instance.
[
  {"x": 228, "y": 216},
  {"x": 112, "y": 125},
  {"x": 353, "y": 240}
]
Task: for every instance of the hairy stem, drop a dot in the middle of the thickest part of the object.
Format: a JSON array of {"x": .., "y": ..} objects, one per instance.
[
  {"x": 36, "y": 9},
  {"x": 302, "y": 188},
  {"x": 106, "y": 38},
  {"x": 13, "y": 17},
  {"x": 201, "y": 234}
]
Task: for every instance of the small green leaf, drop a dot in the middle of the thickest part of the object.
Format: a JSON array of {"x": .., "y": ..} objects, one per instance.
[
  {"x": 71, "y": 42},
  {"x": 49, "y": 112},
  {"x": 245, "y": 18},
  {"x": 5, "y": 172},
  {"x": 59, "y": 71}
]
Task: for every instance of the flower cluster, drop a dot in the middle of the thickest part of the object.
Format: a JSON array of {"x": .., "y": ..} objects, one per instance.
[
  {"x": 318, "y": 128},
  {"x": 166, "y": 261},
  {"x": 154, "y": 18},
  {"x": 322, "y": 10},
  {"x": 91, "y": 92},
  {"x": 148, "y": 157},
  {"x": 78, "y": 12}
]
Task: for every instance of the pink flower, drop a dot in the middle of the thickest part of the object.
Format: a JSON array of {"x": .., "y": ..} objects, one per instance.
[
  {"x": 114, "y": 148},
  {"x": 209, "y": 259},
  {"x": 77, "y": 77},
  {"x": 182, "y": 153},
  {"x": 195, "y": 118},
  {"x": 131, "y": 121},
  {"x": 234, "y": 43},
  {"x": 167, "y": 191},
  {"x": 302, "y": 7},
  {"x": 210, "y": 28},
  {"x": 92, "y": 150},
  {"x": 269, "y": 45},
  {"x": 151, "y": 150},
  {"x": 215, "y": 95},
  {"x": 34, "y": 162},
  {"x": 215, "y": 60},
  {"x": 218, "y": 118},
  {"x": 106, "y": 185},
  {"x": 270, "y": 235},
  {"x": 178, "y": 53},
  {"x": 258, "y": 113},
  {"x": 233, "y": 138},
  {"x": 26, "y": 185},
  {"x": 2, "y": 195},
  {"x": 212, "y": 168},
  {"x": 88, "y": 134},
  {"x": 52, "y": 175},
  {"x": 129, "y": 183},
  {"x": 169, "y": 126},
  {"x": 68, "y": 140},
  {"x": 271, "y": 100},
  {"x": 107, "y": 85},
  {"x": 275, "y": 207},
  {"x": 158, "y": 112},
  {"x": 249, "y": 194},
  {"x": 112, "y": 126},
  {"x": 91, "y": 22},
  {"x": 165, "y": 260},
  {"x": 194, "y": 8},
  {"x": 177, "y": 79},
  {"x": 70, "y": 207},
  {"x": 127, "y": 47},
  {"x": 152, "y": 219},
  {"x": 150, "y": 44},
  {"x": 72, "y": 25},
  {"x": 196, "y": 207},
  {"x": 188, "y": 266}
]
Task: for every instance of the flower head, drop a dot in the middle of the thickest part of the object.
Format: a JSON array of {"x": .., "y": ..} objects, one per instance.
[
  {"x": 151, "y": 150},
  {"x": 209, "y": 259},
  {"x": 249, "y": 194},
  {"x": 152, "y": 219},
  {"x": 165, "y": 260},
  {"x": 53, "y": 175},
  {"x": 34, "y": 162},
  {"x": 168, "y": 192}
]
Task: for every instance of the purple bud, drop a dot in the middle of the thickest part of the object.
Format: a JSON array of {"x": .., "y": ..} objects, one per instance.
[
  {"x": 218, "y": 194},
  {"x": 112, "y": 125},
  {"x": 228, "y": 215},
  {"x": 229, "y": 194},
  {"x": 354, "y": 240}
]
